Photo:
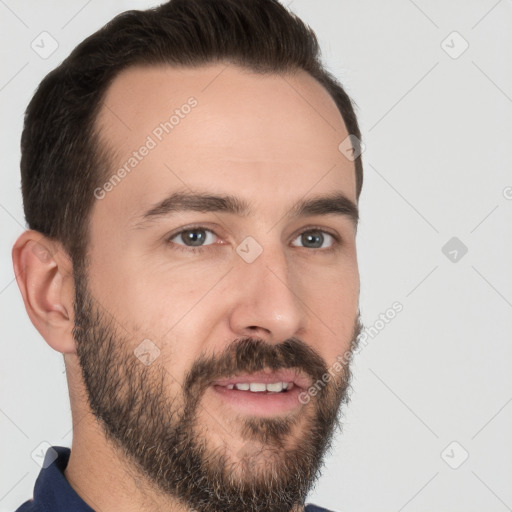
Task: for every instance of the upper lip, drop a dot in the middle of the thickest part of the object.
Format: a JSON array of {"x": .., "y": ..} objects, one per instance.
[{"x": 267, "y": 377}]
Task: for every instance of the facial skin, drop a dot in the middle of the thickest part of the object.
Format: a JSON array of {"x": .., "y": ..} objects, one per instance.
[{"x": 162, "y": 436}]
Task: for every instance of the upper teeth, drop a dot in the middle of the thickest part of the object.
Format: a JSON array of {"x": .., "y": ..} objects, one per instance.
[{"x": 259, "y": 387}]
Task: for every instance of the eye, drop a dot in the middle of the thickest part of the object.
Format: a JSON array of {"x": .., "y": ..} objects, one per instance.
[
  {"x": 193, "y": 238},
  {"x": 315, "y": 238}
]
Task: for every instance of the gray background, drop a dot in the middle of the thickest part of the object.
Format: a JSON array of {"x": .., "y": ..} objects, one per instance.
[{"x": 437, "y": 127}]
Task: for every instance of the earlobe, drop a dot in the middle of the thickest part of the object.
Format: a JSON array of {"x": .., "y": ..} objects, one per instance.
[{"x": 44, "y": 275}]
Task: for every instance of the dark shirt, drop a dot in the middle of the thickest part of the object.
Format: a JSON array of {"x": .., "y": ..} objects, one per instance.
[{"x": 52, "y": 492}]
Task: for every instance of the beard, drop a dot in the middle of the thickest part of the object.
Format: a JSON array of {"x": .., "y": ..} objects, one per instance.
[{"x": 163, "y": 439}]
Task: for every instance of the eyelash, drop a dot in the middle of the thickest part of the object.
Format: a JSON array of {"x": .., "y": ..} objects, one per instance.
[{"x": 195, "y": 250}]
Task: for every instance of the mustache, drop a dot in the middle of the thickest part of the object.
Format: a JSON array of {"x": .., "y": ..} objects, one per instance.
[{"x": 249, "y": 355}]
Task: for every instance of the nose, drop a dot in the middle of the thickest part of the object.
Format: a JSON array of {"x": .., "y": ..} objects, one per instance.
[{"x": 267, "y": 304}]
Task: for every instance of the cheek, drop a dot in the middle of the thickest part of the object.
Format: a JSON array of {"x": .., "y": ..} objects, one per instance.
[
  {"x": 152, "y": 297},
  {"x": 175, "y": 311},
  {"x": 332, "y": 285},
  {"x": 333, "y": 301}
]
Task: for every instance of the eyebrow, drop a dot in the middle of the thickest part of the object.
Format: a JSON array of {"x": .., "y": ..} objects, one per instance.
[{"x": 335, "y": 203}]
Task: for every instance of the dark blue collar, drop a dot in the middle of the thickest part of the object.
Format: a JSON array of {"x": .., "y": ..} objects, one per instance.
[{"x": 52, "y": 491}]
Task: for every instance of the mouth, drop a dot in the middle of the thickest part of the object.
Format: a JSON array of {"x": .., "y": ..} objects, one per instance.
[{"x": 263, "y": 394}]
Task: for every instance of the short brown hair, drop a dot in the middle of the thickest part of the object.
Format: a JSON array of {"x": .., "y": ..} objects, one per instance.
[{"x": 62, "y": 159}]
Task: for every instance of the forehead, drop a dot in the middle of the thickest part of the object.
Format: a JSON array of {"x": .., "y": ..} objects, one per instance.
[{"x": 223, "y": 128}]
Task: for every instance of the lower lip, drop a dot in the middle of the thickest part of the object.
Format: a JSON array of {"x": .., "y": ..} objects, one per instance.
[{"x": 260, "y": 404}]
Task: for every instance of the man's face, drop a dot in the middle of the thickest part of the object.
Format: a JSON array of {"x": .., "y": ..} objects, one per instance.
[{"x": 183, "y": 308}]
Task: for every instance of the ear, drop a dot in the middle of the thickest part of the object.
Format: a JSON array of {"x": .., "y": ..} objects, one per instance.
[{"x": 44, "y": 273}]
